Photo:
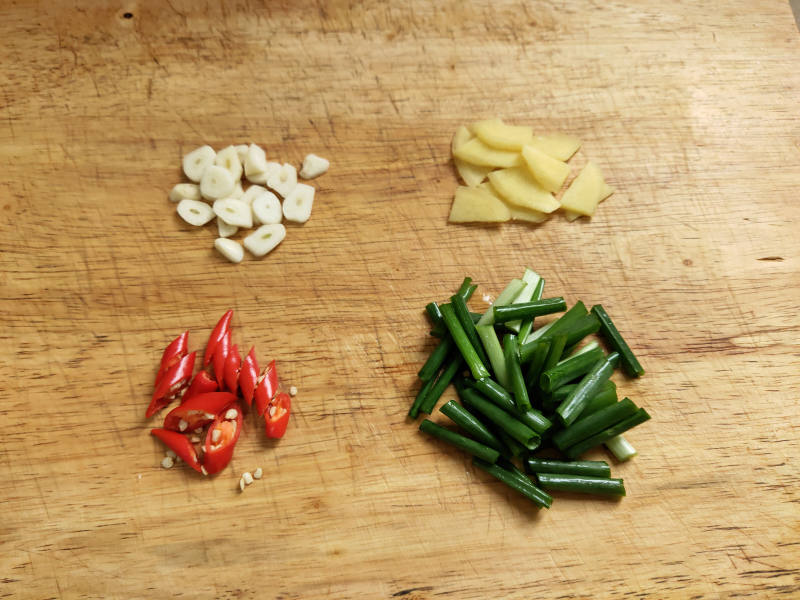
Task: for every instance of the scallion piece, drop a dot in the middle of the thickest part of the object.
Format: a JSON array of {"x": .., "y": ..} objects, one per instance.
[
  {"x": 490, "y": 455},
  {"x": 438, "y": 388},
  {"x": 494, "y": 351},
  {"x": 585, "y": 348},
  {"x": 497, "y": 394},
  {"x": 466, "y": 289},
  {"x": 609, "y": 331},
  {"x": 574, "y": 404},
  {"x": 514, "y": 312},
  {"x": 420, "y": 399},
  {"x": 621, "y": 448},
  {"x": 470, "y": 424},
  {"x": 592, "y": 468},
  {"x": 514, "y": 371},
  {"x": 607, "y": 395},
  {"x": 435, "y": 360},
  {"x": 565, "y": 321},
  {"x": 505, "y": 421},
  {"x": 554, "y": 353},
  {"x": 461, "y": 340},
  {"x": 640, "y": 416},
  {"x": 537, "y": 359},
  {"x": 507, "y": 296},
  {"x": 567, "y": 370},
  {"x": 531, "y": 279},
  {"x": 462, "y": 312},
  {"x": 534, "y": 336},
  {"x": 582, "y": 484},
  {"x": 526, "y": 325},
  {"x": 530, "y": 491},
  {"x": 435, "y": 315},
  {"x": 594, "y": 423},
  {"x": 580, "y": 328}
]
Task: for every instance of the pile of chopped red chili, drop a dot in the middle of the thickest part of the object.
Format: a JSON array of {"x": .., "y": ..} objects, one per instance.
[{"x": 204, "y": 428}]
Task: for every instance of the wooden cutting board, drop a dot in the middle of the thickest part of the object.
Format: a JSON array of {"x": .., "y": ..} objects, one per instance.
[{"x": 689, "y": 108}]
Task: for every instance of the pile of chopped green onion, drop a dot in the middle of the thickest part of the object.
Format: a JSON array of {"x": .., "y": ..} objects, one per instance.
[{"x": 541, "y": 391}]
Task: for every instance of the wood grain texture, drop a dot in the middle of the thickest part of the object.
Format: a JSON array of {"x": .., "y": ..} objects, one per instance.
[{"x": 690, "y": 109}]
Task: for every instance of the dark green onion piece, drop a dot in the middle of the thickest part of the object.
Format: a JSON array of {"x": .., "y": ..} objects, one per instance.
[
  {"x": 582, "y": 484},
  {"x": 574, "y": 404},
  {"x": 514, "y": 373},
  {"x": 435, "y": 316},
  {"x": 565, "y": 321},
  {"x": 514, "y": 448},
  {"x": 609, "y": 331},
  {"x": 435, "y": 360},
  {"x": 462, "y": 312},
  {"x": 497, "y": 394},
  {"x": 607, "y": 395},
  {"x": 506, "y": 422},
  {"x": 530, "y": 491},
  {"x": 570, "y": 369},
  {"x": 527, "y": 324},
  {"x": 420, "y": 399},
  {"x": 438, "y": 388},
  {"x": 592, "y": 468},
  {"x": 554, "y": 354},
  {"x": 540, "y": 350},
  {"x": 461, "y": 340},
  {"x": 466, "y": 289},
  {"x": 490, "y": 455},
  {"x": 475, "y": 316},
  {"x": 640, "y": 416},
  {"x": 513, "y": 312},
  {"x": 471, "y": 424},
  {"x": 580, "y": 328},
  {"x": 494, "y": 392}
]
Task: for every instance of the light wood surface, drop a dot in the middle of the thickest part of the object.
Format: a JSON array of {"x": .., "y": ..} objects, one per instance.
[{"x": 690, "y": 108}]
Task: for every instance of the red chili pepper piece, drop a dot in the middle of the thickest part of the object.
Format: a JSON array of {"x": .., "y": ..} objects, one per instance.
[
  {"x": 175, "y": 351},
  {"x": 248, "y": 376},
  {"x": 171, "y": 384},
  {"x": 180, "y": 445},
  {"x": 221, "y": 437},
  {"x": 276, "y": 418},
  {"x": 232, "y": 365},
  {"x": 198, "y": 411},
  {"x": 201, "y": 384},
  {"x": 223, "y": 325},
  {"x": 267, "y": 388},
  {"x": 221, "y": 357}
]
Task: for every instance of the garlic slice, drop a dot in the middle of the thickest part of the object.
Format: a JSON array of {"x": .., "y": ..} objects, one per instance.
[
  {"x": 232, "y": 250},
  {"x": 234, "y": 212},
  {"x": 256, "y": 161},
  {"x": 297, "y": 205},
  {"x": 252, "y": 193},
  {"x": 185, "y": 190},
  {"x": 241, "y": 152},
  {"x": 195, "y": 163},
  {"x": 264, "y": 239},
  {"x": 284, "y": 180},
  {"x": 195, "y": 212},
  {"x": 267, "y": 208},
  {"x": 217, "y": 182},
  {"x": 314, "y": 166},
  {"x": 225, "y": 229},
  {"x": 228, "y": 159}
]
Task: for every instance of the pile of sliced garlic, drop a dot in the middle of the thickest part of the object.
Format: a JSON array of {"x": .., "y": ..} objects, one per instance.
[{"x": 217, "y": 179}]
